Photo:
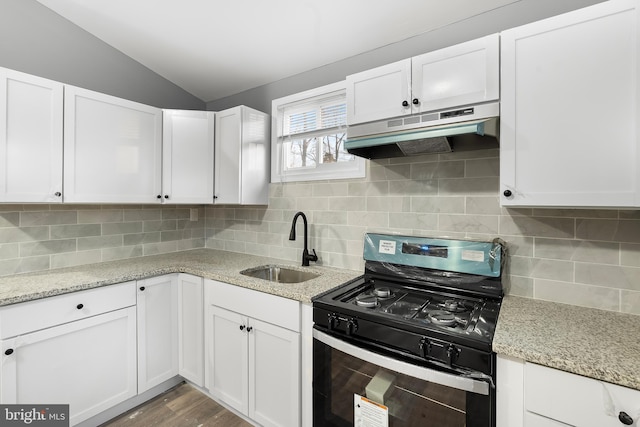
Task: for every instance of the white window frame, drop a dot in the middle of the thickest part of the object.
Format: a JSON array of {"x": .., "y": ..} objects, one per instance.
[{"x": 340, "y": 170}]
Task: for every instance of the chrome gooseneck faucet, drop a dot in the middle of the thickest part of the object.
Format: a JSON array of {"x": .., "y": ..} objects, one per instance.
[{"x": 306, "y": 257}]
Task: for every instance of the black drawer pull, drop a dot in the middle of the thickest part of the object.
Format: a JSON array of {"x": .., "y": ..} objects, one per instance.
[
  {"x": 142, "y": 288},
  {"x": 9, "y": 352},
  {"x": 625, "y": 418},
  {"x": 80, "y": 306}
]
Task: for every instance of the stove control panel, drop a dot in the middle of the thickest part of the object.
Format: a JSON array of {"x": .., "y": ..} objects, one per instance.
[{"x": 461, "y": 256}]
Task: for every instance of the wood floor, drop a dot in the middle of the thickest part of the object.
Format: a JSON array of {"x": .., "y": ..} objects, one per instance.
[{"x": 182, "y": 406}]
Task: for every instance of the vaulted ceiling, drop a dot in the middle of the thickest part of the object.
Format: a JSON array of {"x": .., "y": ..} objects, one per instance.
[{"x": 216, "y": 48}]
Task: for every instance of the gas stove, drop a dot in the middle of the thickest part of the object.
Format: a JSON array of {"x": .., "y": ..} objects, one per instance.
[
  {"x": 404, "y": 304},
  {"x": 414, "y": 331}
]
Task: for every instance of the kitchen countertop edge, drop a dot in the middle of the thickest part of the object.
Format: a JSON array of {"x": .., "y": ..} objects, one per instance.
[
  {"x": 207, "y": 263},
  {"x": 595, "y": 343}
]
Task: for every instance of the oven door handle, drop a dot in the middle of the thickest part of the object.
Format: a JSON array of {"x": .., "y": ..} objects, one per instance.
[{"x": 449, "y": 380}]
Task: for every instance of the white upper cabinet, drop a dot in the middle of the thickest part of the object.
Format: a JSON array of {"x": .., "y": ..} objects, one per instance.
[
  {"x": 112, "y": 149},
  {"x": 464, "y": 74},
  {"x": 30, "y": 138},
  {"x": 459, "y": 75},
  {"x": 569, "y": 110},
  {"x": 187, "y": 156},
  {"x": 241, "y": 157},
  {"x": 379, "y": 93}
]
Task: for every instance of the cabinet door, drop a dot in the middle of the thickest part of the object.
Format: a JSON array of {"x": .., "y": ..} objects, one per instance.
[
  {"x": 157, "y": 330},
  {"x": 467, "y": 73},
  {"x": 569, "y": 109},
  {"x": 187, "y": 156},
  {"x": 227, "y": 366},
  {"x": 380, "y": 93},
  {"x": 30, "y": 138},
  {"x": 227, "y": 156},
  {"x": 89, "y": 364},
  {"x": 191, "y": 328},
  {"x": 112, "y": 149},
  {"x": 576, "y": 400},
  {"x": 274, "y": 375},
  {"x": 242, "y": 157}
]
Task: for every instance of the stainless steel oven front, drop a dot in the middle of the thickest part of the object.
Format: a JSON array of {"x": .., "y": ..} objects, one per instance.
[{"x": 353, "y": 385}]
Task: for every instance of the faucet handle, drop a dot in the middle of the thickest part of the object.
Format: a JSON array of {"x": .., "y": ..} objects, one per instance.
[{"x": 313, "y": 257}]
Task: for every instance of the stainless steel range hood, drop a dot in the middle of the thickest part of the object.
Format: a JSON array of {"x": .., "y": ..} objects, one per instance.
[{"x": 425, "y": 133}]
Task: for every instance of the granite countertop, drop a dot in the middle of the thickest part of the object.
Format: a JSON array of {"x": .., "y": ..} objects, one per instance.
[
  {"x": 595, "y": 343},
  {"x": 208, "y": 263}
]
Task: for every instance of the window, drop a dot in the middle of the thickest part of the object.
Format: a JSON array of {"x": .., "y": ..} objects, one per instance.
[{"x": 309, "y": 135}]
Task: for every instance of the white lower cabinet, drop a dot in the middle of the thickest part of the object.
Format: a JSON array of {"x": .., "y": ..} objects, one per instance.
[
  {"x": 536, "y": 396},
  {"x": 253, "y": 353},
  {"x": 85, "y": 356},
  {"x": 191, "y": 329},
  {"x": 157, "y": 330}
]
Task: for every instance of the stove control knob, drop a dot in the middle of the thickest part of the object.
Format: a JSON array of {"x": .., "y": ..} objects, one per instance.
[
  {"x": 425, "y": 347},
  {"x": 352, "y": 326},
  {"x": 452, "y": 353},
  {"x": 333, "y": 320},
  {"x": 625, "y": 418}
]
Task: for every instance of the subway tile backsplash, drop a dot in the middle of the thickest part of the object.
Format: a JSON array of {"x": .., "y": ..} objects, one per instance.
[
  {"x": 43, "y": 237},
  {"x": 584, "y": 257}
]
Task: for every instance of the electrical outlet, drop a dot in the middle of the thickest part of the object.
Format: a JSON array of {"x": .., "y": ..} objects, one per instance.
[{"x": 193, "y": 214}]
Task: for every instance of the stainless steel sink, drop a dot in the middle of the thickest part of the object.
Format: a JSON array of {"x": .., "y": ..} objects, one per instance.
[{"x": 273, "y": 273}]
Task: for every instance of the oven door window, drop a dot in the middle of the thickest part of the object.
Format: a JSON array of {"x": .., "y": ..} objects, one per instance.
[{"x": 411, "y": 401}]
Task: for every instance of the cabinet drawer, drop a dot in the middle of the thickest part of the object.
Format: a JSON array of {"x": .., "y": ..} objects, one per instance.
[
  {"x": 269, "y": 308},
  {"x": 576, "y": 400},
  {"x": 31, "y": 316}
]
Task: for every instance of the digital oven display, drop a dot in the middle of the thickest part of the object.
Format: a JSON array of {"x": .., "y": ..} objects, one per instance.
[{"x": 425, "y": 250}]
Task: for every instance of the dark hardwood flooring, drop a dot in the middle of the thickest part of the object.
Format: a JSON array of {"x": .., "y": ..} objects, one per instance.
[{"x": 181, "y": 406}]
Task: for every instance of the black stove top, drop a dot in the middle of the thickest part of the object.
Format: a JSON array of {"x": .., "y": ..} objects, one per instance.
[
  {"x": 463, "y": 318},
  {"x": 455, "y": 314}
]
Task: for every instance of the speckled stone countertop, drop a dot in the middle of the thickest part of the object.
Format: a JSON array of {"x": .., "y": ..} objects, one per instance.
[
  {"x": 595, "y": 343},
  {"x": 208, "y": 263}
]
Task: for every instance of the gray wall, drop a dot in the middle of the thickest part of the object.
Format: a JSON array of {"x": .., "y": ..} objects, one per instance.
[
  {"x": 36, "y": 40},
  {"x": 518, "y": 13}
]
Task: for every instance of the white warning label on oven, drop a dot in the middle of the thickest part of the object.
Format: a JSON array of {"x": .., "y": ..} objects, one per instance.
[
  {"x": 477, "y": 256},
  {"x": 387, "y": 247},
  {"x": 367, "y": 413}
]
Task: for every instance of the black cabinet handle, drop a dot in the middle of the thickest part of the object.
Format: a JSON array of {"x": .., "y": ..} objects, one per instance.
[
  {"x": 80, "y": 306},
  {"x": 166, "y": 196},
  {"x": 507, "y": 193},
  {"x": 415, "y": 101},
  {"x": 242, "y": 327},
  {"x": 625, "y": 418},
  {"x": 9, "y": 352},
  {"x": 142, "y": 288},
  {"x": 405, "y": 103},
  {"x": 58, "y": 194},
  {"x": 159, "y": 196},
  {"x": 250, "y": 328}
]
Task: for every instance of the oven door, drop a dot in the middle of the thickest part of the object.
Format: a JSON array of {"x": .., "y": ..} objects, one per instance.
[{"x": 355, "y": 386}]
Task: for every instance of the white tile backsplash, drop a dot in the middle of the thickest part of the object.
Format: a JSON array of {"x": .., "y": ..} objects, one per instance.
[{"x": 562, "y": 255}]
